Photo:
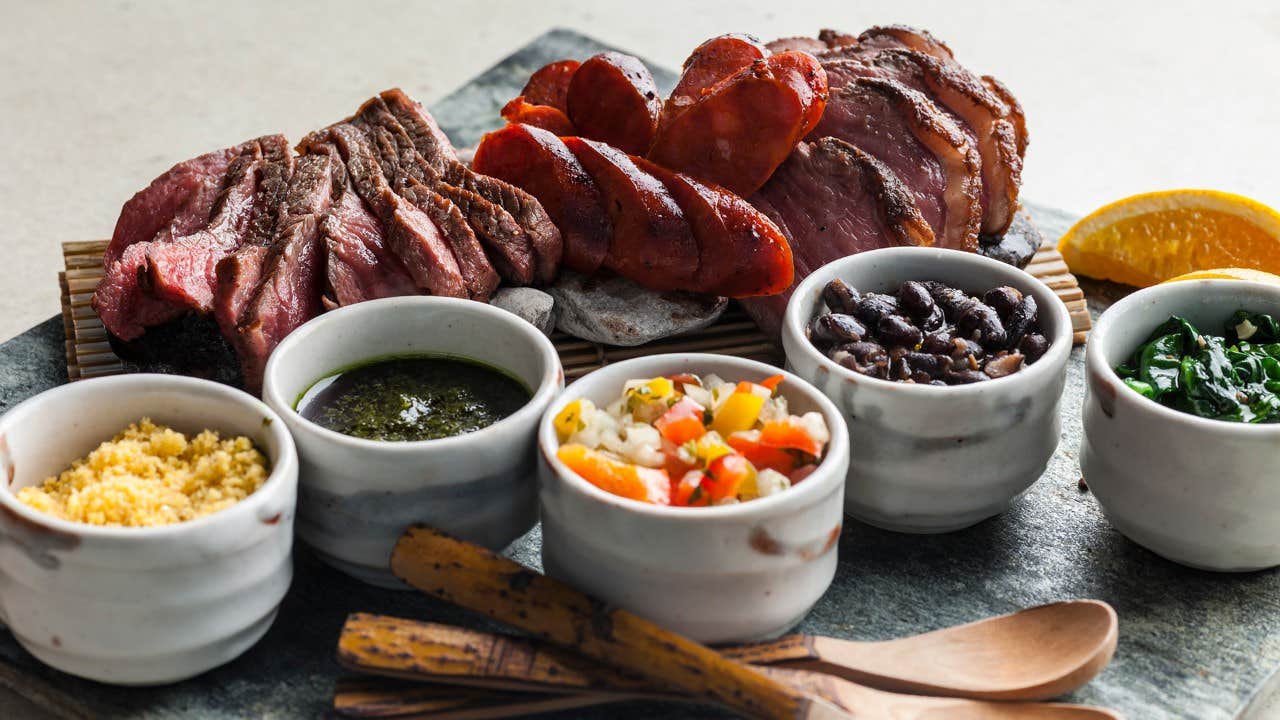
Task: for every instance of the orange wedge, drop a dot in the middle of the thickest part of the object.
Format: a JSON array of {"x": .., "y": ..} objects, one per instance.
[
  {"x": 1230, "y": 274},
  {"x": 1146, "y": 239}
]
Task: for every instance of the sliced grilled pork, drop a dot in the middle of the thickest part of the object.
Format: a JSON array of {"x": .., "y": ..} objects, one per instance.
[
  {"x": 803, "y": 44},
  {"x": 359, "y": 265},
  {"x": 886, "y": 37},
  {"x": 831, "y": 200},
  {"x": 544, "y": 237},
  {"x": 293, "y": 273},
  {"x": 410, "y": 234},
  {"x": 922, "y": 146},
  {"x": 978, "y": 112}
]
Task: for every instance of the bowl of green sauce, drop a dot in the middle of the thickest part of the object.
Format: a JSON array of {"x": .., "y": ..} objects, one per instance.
[
  {"x": 1182, "y": 421},
  {"x": 412, "y": 410}
]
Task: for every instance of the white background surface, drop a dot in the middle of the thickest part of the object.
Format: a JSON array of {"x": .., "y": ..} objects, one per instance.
[{"x": 97, "y": 99}]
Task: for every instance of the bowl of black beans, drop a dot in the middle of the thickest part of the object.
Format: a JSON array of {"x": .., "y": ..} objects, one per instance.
[{"x": 949, "y": 367}]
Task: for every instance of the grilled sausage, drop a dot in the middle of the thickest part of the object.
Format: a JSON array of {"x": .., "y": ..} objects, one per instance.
[
  {"x": 539, "y": 163},
  {"x": 549, "y": 85},
  {"x": 712, "y": 61},
  {"x": 519, "y": 110},
  {"x": 612, "y": 98},
  {"x": 740, "y": 132},
  {"x": 652, "y": 243},
  {"x": 740, "y": 251}
]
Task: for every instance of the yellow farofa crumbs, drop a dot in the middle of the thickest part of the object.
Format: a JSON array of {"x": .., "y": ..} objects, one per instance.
[{"x": 152, "y": 475}]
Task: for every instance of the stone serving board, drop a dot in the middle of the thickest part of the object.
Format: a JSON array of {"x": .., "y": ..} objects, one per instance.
[{"x": 1192, "y": 644}]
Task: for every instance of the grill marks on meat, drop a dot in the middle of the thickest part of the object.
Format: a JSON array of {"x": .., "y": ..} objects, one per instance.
[
  {"x": 410, "y": 234},
  {"x": 542, "y": 235},
  {"x": 921, "y": 145},
  {"x": 831, "y": 200},
  {"x": 293, "y": 271}
]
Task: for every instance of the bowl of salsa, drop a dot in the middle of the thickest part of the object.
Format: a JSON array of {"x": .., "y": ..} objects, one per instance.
[
  {"x": 703, "y": 492},
  {"x": 412, "y": 410}
]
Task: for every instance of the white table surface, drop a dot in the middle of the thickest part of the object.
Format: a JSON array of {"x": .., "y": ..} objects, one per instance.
[{"x": 1121, "y": 97}]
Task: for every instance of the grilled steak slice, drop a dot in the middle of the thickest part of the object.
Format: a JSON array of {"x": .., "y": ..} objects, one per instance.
[
  {"x": 1016, "y": 116},
  {"x": 803, "y": 44},
  {"x": 886, "y": 37},
  {"x": 544, "y": 237},
  {"x": 922, "y": 146},
  {"x": 293, "y": 273},
  {"x": 178, "y": 202},
  {"x": 980, "y": 114},
  {"x": 123, "y": 299},
  {"x": 831, "y": 200},
  {"x": 360, "y": 266},
  {"x": 183, "y": 272},
  {"x": 240, "y": 273},
  {"x": 411, "y": 177},
  {"x": 410, "y": 234}
]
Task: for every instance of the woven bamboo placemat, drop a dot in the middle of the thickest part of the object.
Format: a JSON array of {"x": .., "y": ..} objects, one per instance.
[{"x": 89, "y": 353}]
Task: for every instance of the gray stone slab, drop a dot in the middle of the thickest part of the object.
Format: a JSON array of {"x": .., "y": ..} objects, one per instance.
[{"x": 1192, "y": 644}]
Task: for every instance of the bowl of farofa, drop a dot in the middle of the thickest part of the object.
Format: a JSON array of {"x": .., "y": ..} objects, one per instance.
[{"x": 184, "y": 578}]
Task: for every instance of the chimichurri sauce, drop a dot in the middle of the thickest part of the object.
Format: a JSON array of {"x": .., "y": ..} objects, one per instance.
[{"x": 412, "y": 398}]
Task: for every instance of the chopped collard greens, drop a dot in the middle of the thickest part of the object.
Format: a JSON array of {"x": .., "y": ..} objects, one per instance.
[{"x": 1233, "y": 377}]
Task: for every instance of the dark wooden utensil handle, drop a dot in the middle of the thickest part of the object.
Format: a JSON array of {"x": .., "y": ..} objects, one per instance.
[{"x": 476, "y": 578}]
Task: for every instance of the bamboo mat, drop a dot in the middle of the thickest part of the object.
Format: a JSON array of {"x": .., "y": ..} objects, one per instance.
[{"x": 89, "y": 353}]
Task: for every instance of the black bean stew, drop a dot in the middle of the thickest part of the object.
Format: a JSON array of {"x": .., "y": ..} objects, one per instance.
[{"x": 929, "y": 333}]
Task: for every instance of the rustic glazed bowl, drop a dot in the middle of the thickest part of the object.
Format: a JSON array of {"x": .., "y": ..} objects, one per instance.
[
  {"x": 356, "y": 496},
  {"x": 929, "y": 459},
  {"x": 731, "y": 573},
  {"x": 1201, "y": 492},
  {"x": 141, "y": 606}
]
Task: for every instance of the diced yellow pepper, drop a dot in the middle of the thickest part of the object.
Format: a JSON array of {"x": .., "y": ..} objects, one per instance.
[
  {"x": 708, "y": 447},
  {"x": 572, "y": 418},
  {"x": 654, "y": 389},
  {"x": 739, "y": 412}
]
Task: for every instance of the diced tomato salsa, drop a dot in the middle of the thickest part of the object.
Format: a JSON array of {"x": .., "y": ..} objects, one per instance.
[{"x": 689, "y": 441}]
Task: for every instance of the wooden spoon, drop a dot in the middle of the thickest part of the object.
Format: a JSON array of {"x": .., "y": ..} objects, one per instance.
[
  {"x": 1034, "y": 654},
  {"x": 478, "y": 579},
  {"x": 515, "y": 667}
]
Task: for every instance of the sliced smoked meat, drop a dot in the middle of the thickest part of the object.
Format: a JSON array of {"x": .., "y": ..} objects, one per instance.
[
  {"x": 1016, "y": 115},
  {"x": 539, "y": 163},
  {"x": 886, "y": 37},
  {"x": 738, "y": 133},
  {"x": 543, "y": 236},
  {"x": 741, "y": 252},
  {"x": 359, "y": 265},
  {"x": 831, "y": 200},
  {"x": 652, "y": 243},
  {"x": 549, "y": 84},
  {"x": 979, "y": 113},
  {"x": 802, "y": 44},
  {"x": 293, "y": 273},
  {"x": 709, "y": 63},
  {"x": 612, "y": 98},
  {"x": 835, "y": 38},
  {"x": 924, "y": 147}
]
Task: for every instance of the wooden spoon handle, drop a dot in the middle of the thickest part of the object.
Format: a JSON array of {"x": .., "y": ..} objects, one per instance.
[{"x": 476, "y": 578}]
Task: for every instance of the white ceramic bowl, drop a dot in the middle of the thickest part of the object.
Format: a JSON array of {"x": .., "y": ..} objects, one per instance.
[
  {"x": 927, "y": 459},
  {"x": 356, "y": 496},
  {"x": 1201, "y": 492},
  {"x": 732, "y": 573},
  {"x": 137, "y": 606}
]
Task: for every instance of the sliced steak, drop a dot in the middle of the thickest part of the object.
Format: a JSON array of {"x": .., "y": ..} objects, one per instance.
[
  {"x": 410, "y": 234},
  {"x": 240, "y": 273},
  {"x": 831, "y": 200},
  {"x": 360, "y": 266},
  {"x": 979, "y": 113},
  {"x": 886, "y": 37},
  {"x": 409, "y": 176},
  {"x": 924, "y": 147},
  {"x": 543, "y": 236},
  {"x": 293, "y": 273},
  {"x": 123, "y": 299},
  {"x": 178, "y": 202}
]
